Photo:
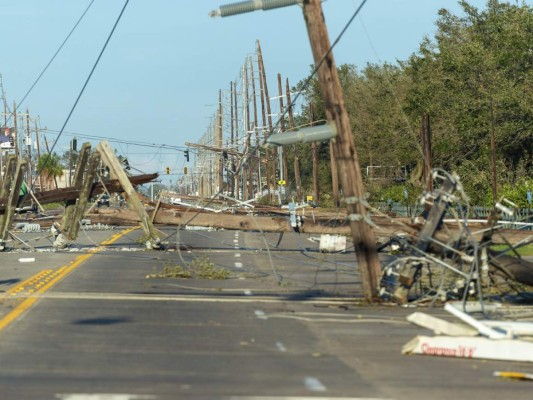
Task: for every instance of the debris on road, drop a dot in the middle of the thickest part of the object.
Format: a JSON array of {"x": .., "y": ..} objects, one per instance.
[{"x": 494, "y": 340}]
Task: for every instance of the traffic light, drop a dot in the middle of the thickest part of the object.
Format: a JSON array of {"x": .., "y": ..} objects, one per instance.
[
  {"x": 167, "y": 169},
  {"x": 186, "y": 152},
  {"x": 277, "y": 174},
  {"x": 184, "y": 170}
]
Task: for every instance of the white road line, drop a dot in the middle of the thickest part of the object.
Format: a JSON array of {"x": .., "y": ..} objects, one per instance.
[
  {"x": 248, "y": 292},
  {"x": 281, "y": 347},
  {"x": 238, "y": 265},
  {"x": 237, "y": 255},
  {"x": 302, "y": 398},
  {"x": 260, "y": 314},
  {"x": 313, "y": 384},
  {"x": 178, "y": 298},
  {"x": 235, "y": 240},
  {"x": 103, "y": 396}
]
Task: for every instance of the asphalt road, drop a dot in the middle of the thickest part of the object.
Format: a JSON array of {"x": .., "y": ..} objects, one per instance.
[{"x": 96, "y": 322}]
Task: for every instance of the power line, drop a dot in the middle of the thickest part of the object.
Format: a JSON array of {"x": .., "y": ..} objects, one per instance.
[
  {"x": 84, "y": 86},
  {"x": 19, "y": 103},
  {"x": 317, "y": 66},
  {"x": 110, "y": 139}
]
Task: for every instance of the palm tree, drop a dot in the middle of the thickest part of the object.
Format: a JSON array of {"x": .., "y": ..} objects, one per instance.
[{"x": 50, "y": 167}]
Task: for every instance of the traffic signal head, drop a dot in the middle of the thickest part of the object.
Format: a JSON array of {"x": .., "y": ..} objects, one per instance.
[
  {"x": 186, "y": 152},
  {"x": 167, "y": 170}
]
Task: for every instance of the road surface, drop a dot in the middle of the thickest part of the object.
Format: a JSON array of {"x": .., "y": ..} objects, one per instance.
[{"x": 96, "y": 323}]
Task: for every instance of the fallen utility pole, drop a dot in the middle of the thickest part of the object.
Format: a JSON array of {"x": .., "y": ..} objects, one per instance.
[
  {"x": 64, "y": 194},
  {"x": 75, "y": 209},
  {"x": 14, "y": 175},
  {"x": 116, "y": 171}
]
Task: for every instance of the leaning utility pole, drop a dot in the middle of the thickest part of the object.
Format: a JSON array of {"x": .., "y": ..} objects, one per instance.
[
  {"x": 344, "y": 149},
  {"x": 364, "y": 238},
  {"x": 266, "y": 99}
]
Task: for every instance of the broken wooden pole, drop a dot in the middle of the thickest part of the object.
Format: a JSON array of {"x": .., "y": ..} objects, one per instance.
[
  {"x": 63, "y": 239},
  {"x": 344, "y": 148},
  {"x": 11, "y": 188},
  {"x": 85, "y": 194},
  {"x": 132, "y": 199}
]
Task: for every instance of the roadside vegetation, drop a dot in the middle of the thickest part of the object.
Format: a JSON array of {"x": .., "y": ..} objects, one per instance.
[{"x": 473, "y": 78}]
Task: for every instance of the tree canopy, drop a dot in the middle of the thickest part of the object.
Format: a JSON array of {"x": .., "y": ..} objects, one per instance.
[{"x": 474, "y": 78}]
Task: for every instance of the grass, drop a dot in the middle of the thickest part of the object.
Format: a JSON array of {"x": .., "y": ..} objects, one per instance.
[
  {"x": 199, "y": 268},
  {"x": 526, "y": 250}
]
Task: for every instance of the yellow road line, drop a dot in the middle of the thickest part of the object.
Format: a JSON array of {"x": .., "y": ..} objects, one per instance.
[{"x": 28, "y": 302}]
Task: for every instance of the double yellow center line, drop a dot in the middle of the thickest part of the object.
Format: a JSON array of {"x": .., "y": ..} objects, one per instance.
[{"x": 45, "y": 280}]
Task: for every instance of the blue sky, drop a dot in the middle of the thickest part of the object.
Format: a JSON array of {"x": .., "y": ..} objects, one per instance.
[{"x": 159, "y": 78}]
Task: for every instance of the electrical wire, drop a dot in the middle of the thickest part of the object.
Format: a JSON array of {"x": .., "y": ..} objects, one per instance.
[
  {"x": 81, "y": 92},
  {"x": 318, "y": 65},
  {"x": 113, "y": 140},
  {"x": 55, "y": 54}
]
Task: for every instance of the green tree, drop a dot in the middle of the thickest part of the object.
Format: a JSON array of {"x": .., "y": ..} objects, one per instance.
[
  {"x": 475, "y": 80},
  {"x": 50, "y": 167}
]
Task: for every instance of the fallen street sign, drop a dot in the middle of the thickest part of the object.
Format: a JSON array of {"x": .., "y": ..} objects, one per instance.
[{"x": 471, "y": 347}]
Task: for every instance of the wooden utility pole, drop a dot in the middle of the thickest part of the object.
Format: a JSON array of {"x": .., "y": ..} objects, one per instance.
[
  {"x": 38, "y": 156},
  {"x": 334, "y": 174},
  {"x": 364, "y": 238},
  {"x": 219, "y": 144},
  {"x": 12, "y": 182},
  {"x": 270, "y": 154},
  {"x": 15, "y": 133},
  {"x": 493, "y": 154},
  {"x": 425, "y": 137},
  {"x": 232, "y": 138},
  {"x": 132, "y": 199},
  {"x": 314, "y": 150},
  {"x": 236, "y": 175},
  {"x": 257, "y": 140},
  {"x": 28, "y": 144},
  {"x": 296, "y": 160},
  {"x": 284, "y": 174},
  {"x": 248, "y": 189},
  {"x": 251, "y": 127},
  {"x": 78, "y": 180}
]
